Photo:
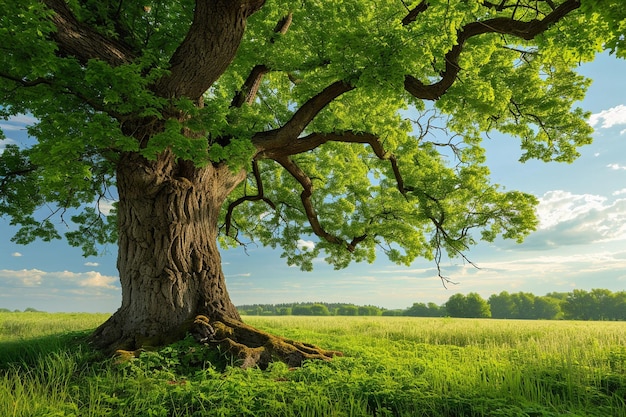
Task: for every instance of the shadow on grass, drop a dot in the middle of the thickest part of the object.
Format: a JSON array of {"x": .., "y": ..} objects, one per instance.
[{"x": 26, "y": 352}]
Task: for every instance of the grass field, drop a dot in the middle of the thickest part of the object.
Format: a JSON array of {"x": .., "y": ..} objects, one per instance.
[{"x": 393, "y": 366}]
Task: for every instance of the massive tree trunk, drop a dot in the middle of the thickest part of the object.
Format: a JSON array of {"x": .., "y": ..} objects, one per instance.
[
  {"x": 170, "y": 267},
  {"x": 168, "y": 259}
]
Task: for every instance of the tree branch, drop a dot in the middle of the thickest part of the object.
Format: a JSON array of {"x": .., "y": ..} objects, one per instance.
[
  {"x": 79, "y": 40},
  {"x": 61, "y": 89},
  {"x": 259, "y": 196},
  {"x": 508, "y": 26},
  {"x": 209, "y": 47},
  {"x": 314, "y": 140},
  {"x": 4, "y": 179},
  {"x": 414, "y": 12},
  {"x": 305, "y": 197},
  {"x": 251, "y": 86},
  {"x": 288, "y": 134}
]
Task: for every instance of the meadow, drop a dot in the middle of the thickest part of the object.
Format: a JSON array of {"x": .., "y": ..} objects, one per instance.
[{"x": 393, "y": 366}]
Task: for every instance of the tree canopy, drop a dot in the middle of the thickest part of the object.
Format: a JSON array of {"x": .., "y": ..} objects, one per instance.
[{"x": 399, "y": 94}]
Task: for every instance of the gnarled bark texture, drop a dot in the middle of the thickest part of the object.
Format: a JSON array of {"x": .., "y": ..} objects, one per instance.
[
  {"x": 170, "y": 266},
  {"x": 169, "y": 263}
]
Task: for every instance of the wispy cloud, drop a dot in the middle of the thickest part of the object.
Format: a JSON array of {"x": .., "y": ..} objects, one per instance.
[
  {"x": 305, "y": 244},
  {"x": 96, "y": 280},
  {"x": 59, "y": 281},
  {"x": 609, "y": 118},
  {"x": 91, "y": 264},
  {"x": 23, "y": 119},
  {"x": 16, "y": 254},
  {"x": 616, "y": 167},
  {"x": 577, "y": 219},
  {"x": 6, "y": 127},
  {"x": 244, "y": 275}
]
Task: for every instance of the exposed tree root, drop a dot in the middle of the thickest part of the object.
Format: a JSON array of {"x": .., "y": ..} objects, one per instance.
[{"x": 253, "y": 347}]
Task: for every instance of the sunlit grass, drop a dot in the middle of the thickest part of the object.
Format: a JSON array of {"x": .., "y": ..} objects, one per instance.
[{"x": 394, "y": 366}]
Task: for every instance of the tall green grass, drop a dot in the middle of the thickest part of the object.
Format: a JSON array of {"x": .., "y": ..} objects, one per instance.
[{"x": 393, "y": 366}]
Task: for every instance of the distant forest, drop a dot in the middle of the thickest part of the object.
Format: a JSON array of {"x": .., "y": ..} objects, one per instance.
[{"x": 597, "y": 304}]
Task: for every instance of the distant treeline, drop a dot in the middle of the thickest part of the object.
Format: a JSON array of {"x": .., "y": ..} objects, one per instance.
[
  {"x": 597, "y": 304},
  {"x": 28, "y": 310},
  {"x": 310, "y": 309}
]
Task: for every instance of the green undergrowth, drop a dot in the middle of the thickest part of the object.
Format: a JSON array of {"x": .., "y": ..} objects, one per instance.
[{"x": 392, "y": 367}]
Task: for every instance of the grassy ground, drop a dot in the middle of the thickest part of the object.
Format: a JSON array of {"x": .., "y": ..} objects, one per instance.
[{"x": 393, "y": 367}]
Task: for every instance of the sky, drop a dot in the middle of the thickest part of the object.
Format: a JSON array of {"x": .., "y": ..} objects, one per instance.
[{"x": 580, "y": 243}]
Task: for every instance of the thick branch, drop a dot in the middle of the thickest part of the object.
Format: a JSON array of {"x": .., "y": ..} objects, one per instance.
[
  {"x": 78, "y": 40},
  {"x": 508, "y": 26},
  {"x": 209, "y": 47},
  {"x": 414, "y": 12},
  {"x": 314, "y": 140},
  {"x": 251, "y": 86},
  {"x": 286, "y": 135}
]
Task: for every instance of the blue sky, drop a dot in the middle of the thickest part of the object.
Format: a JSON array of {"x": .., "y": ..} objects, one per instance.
[{"x": 580, "y": 244}]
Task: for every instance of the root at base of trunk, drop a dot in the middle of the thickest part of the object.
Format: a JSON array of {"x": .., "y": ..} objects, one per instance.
[{"x": 254, "y": 347}]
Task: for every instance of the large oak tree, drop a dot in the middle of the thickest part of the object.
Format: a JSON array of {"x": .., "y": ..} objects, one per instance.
[{"x": 222, "y": 121}]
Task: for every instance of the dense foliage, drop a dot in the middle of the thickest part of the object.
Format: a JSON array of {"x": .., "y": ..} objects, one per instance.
[{"x": 379, "y": 165}]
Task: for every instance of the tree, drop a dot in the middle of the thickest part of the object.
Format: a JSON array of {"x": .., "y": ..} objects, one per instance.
[
  {"x": 348, "y": 310},
  {"x": 580, "y": 305},
  {"x": 547, "y": 308},
  {"x": 417, "y": 310},
  {"x": 476, "y": 306},
  {"x": 423, "y": 310},
  {"x": 471, "y": 305},
  {"x": 456, "y": 305},
  {"x": 357, "y": 122},
  {"x": 502, "y": 306},
  {"x": 524, "y": 305},
  {"x": 319, "y": 310}
]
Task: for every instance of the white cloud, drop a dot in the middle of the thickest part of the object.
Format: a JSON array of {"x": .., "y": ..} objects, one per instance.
[
  {"x": 105, "y": 206},
  {"x": 56, "y": 281},
  {"x": 91, "y": 264},
  {"x": 94, "y": 279},
  {"x": 305, "y": 244},
  {"x": 22, "y": 119},
  {"x": 4, "y": 143},
  {"x": 560, "y": 206},
  {"x": 16, "y": 254},
  {"x": 616, "y": 167},
  {"x": 21, "y": 278},
  {"x": 559, "y": 272},
  {"x": 609, "y": 118},
  {"x": 17, "y": 122},
  {"x": 576, "y": 219},
  {"x": 620, "y": 192},
  {"x": 10, "y": 127}
]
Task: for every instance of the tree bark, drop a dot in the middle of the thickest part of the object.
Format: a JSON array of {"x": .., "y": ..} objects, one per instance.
[
  {"x": 168, "y": 260},
  {"x": 170, "y": 266}
]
